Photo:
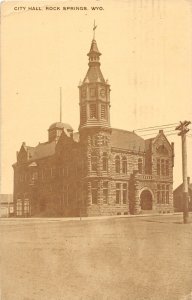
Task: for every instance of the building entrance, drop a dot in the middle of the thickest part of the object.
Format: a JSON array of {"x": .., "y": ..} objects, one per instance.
[{"x": 146, "y": 200}]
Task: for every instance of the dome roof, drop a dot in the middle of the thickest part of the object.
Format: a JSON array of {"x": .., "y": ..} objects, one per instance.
[{"x": 60, "y": 125}]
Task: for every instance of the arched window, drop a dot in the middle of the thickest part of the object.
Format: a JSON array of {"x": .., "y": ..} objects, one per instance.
[
  {"x": 105, "y": 161},
  {"x": 124, "y": 165},
  {"x": 117, "y": 164},
  {"x": 140, "y": 165},
  {"x": 93, "y": 162}
]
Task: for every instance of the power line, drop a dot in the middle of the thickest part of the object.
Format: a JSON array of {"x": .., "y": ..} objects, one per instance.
[
  {"x": 152, "y": 127},
  {"x": 151, "y": 133},
  {"x": 173, "y": 126}
]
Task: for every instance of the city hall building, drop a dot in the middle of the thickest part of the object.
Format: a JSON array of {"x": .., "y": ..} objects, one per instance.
[{"x": 98, "y": 170}]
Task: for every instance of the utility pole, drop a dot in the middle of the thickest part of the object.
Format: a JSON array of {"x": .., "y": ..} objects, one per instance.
[{"x": 183, "y": 130}]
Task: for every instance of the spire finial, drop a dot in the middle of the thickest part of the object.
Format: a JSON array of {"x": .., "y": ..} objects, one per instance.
[
  {"x": 60, "y": 104},
  {"x": 94, "y": 28}
]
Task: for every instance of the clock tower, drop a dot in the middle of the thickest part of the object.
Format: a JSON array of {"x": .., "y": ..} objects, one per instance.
[{"x": 95, "y": 134}]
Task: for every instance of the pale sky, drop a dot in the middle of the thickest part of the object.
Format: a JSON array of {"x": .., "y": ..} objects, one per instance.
[{"x": 146, "y": 48}]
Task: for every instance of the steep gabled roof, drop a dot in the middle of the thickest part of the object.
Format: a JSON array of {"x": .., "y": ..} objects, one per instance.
[
  {"x": 43, "y": 150},
  {"x": 127, "y": 140},
  {"x": 180, "y": 187}
]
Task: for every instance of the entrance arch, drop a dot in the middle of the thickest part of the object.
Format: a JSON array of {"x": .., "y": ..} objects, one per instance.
[{"x": 146, "y": 200}]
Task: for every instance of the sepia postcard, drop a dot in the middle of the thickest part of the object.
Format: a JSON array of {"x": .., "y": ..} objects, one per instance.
[{"x": 96, "y": 150}]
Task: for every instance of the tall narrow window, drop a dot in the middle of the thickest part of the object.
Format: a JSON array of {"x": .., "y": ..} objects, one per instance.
[
  {"x": 105, "y": 192},
  {"x": 103, "y": 111},
  {"x": 124, "y": 165},
  {"x": 93, "y": 162},
  {"x": 140, "y": 166},
  {"x": 163, "y": 193},
  {"x": 158, "y": 194},
  {"x": 94, "y": 192},
  {"x": 163, "y": 167},
  {"x": 117, "y": 164},
  {"x": 19, "y": 206},
  {"x": 105, "y": 161},
  {"x": 26, "y": 205},
  {"x": 158, "y": 166},
  {"x": 167, "y": 194},
  {"x": 124, "y": 193},
  {"x": 93, "y": 112},
  {"x": 167, "y": 168},
  {"x": 118, "y": 193}
]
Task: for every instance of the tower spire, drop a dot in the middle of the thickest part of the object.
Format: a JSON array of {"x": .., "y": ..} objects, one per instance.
[
  {"x": 94, "y": 28},
  {"x": 60, "y": 104}
]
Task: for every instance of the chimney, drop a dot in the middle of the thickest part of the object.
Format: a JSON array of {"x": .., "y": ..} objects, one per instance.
[{"x": 160, "y": 131}]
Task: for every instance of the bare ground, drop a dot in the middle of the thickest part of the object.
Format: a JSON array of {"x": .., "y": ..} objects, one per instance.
[{"x": 115, "y": 258}]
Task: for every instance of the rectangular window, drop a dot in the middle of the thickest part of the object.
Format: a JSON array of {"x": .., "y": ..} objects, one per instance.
[
  {"x": 19, "y": 207},
  {"x": 167, "y": 194},
  {"x": 103, "y": 111},
  {"x": 163, "y": 193},
  {"x": 105, "y": 192},
  {"x": 93, "y": 112},
  {"x": 26, "y": 207},
  {"x": 94, "y": 192},
  {"x": 118, "y": 193},
  {"x": 124, "y": 193}
]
